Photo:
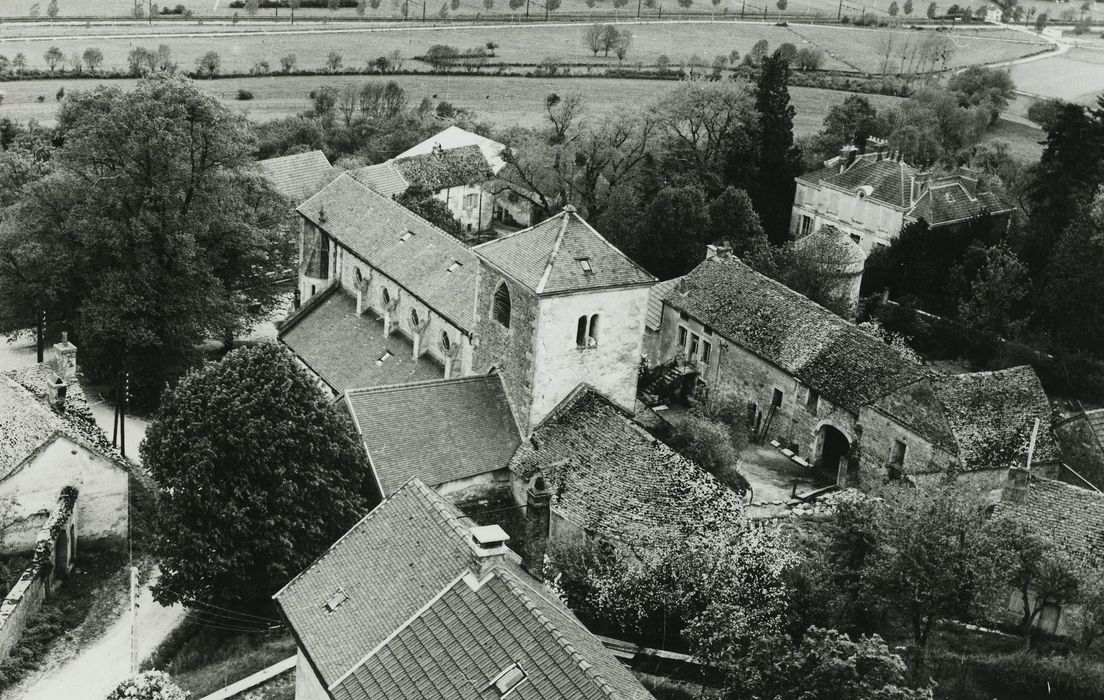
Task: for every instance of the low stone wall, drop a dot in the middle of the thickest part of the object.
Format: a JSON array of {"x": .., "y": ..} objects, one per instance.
[{"x": 34, "y": 585}]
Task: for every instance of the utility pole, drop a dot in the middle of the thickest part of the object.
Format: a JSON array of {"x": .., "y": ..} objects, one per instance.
[
  {"x": 743, "y": 6},
  {"x": 839, "y": 12},
  {"x": 40, "y": 336},
  {"x": 526, "y": 9},
  {"x": 133, "y": 620},
  {"x": 638, "y": 9}
]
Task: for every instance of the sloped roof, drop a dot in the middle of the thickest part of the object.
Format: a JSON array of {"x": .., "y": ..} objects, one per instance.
[
  {"x": 655, "y": 302},
  {"x": 418, "y": 623},
  {"x": 992, "y": 414},
  {"x": 372, "y": 226},
  {"x": 549, "y": 257},
  {"x": 837, "y": 245},
  {"x": 345, "y": 349},
  {"x": 1073, "y": 516},
  {"x": 297, "y": 176},
  {"x": 27, "y": 423},
  {"x": 890, "y": 180},
  {"x": 949, "y": 201},
  {"x": 437, "y": 431},
  {"x": 438, "y": 170},
  {"x": 610, "y": 476},
  {"x": 844, "y": 364},
  {"x": 383, "y": 178},
  {"x": 455, "y": 137}
]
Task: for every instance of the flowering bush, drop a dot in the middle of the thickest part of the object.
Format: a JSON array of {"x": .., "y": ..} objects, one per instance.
[{"x": 149, "y": 685}]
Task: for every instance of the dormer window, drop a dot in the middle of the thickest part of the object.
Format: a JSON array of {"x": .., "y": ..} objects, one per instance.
[
  {"x": 584, "y": 263},
  {"x": 384, "y": 357},
  {"x": 334, "y": 602},
  {"x": 456, "y": 265},
  {"x": 406, "y": 236},
  {"x": 508, "y": 681}
]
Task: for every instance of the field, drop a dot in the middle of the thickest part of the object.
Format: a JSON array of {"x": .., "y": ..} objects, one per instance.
[
  {"x": 500, "y": 100},
  {"x": 1077, "y": 76},
  {"x": 241, "y": 48}
]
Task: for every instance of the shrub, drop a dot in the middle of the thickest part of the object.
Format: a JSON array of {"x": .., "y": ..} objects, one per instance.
[
  {"x": 245, "y": 94},
  {"x": 148, "y": 685}
]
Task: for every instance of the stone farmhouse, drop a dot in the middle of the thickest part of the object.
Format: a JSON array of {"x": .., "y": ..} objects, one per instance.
[
  {"x": 1073, "y": 517},
  {"x": 871, "y": 196},
  {"x": 841, "y": 398},
  {"x": 463, "y": 621},
  {"x": 460, "y": 169}
]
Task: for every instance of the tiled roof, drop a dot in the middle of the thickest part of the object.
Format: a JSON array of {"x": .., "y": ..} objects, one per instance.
[
  {"x": 1095, "y": 420},
  {"x": 610, "y": 476},
  {"x": 345, "y": 349},
  {"x": 655, "y": 302},
  {"x": 991, "y": 415},
  {"x": 949, "y": 201},
  {"x": 835, "y": 245},
  {"x": 473, "y": 634},
  {"x": 562, "y": 254},
  {"x": 889, "y": 180},
  {"x": 383, "y": 178},
  {"x": 437, "y": 431},
  {"x": 1073, "y": 516},
  {"x": 452, "y": 168},
  {"x": 372, "y": 226},
  {"x": 843, "y": 363},
  {"x": 455, "y": 137},
  {"x": 298, "y": 176},
  {"x": 418, "y": 622},
  {"x": 27, "y": 423}
]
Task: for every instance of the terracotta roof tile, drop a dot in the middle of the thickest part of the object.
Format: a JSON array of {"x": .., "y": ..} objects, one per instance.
[
  {"x": 372, "y": 226},
  {"x": 843, "y": 363},
  {"x": 437, "y": 431},
  {"x": 610, "y": 476},
  {"x": 562, "y": 254},
  {"x": 345, "y": 349},
  {"x": 889, "y": 179},
  {"x": 298, "y": 176},
  {"x": 949, "y": 201}
]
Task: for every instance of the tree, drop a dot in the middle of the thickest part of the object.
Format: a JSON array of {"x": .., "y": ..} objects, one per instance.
[
  {"x": 1042, "y": 572},
  {"x": 781, "y": 5},
  {"x": 491, "y": 46},
  {"x": 53, "y": 57},
  {"x": 19, "y": 62},
  {"x": 624, "y": 41},
  {"x": 675, "y": 232},
  {"x": 332, "y": 6},
  {"x": 246, "y": 453},
  {"x": 997, "y": 299},
  {"x": 759, "y": 51},
  {"x": 209, "y": 64},
  {"x": 551, "y": 6},
  {"x": 333, "y": 62},
  {"x": 932, "y": 10},
  {"x": 148, "y": 685},
  {"x": 809, "y": 58},
  {"x": 990, "y": 88},
  {"x": 778, "y": 162},
  {"x": 93, "y": 58},
  {"x": 907, "y": 7},
  {"x": 562, "y": 113},
  {"x": 151, "y": 235},
  {"x": 787, "y": 51},
  {"x": 251, "y": 7},
  {"x": 732, "y": 219},
  {"x": 52, "y": 10},
  {"x": 894, "y": 9},
  {"x": 705, "y": 124},
  {"x": 1041, "y": 22},
  {"x": 293, "y": 5},
  {"x": 852, "y": 122},
  {"x": 288, "y": 62},
  {"x": 1072, "y": 301},
  {"x": 361, "y": 8},
  {"x": 422, "y": 202},
  {"x": 609, "y": 38},
  {"x": 34, "y": 11}
]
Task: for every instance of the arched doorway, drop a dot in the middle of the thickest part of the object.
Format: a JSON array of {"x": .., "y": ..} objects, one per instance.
[
  {"x": 832, "y": 446},
  {"x": 61, "y": 555}
]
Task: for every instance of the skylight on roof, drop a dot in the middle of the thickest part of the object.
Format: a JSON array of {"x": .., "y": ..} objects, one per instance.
[
  {"x": 507, "y": 681},
  {"x": 335, "y": 601},
  {"x": 406, "y": 236},
  {"x": 585, "y": 264},
  {"x": 386, "y": 354},
  {"x": 456, "y": 265}
]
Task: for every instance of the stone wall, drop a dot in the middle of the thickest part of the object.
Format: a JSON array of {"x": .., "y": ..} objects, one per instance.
[
  {"x": 879, "y": 434},
  {"x": 611, "y": 365},
  {"x": 510, "y": 350},
  {"x": 310, "y": 285},
  {"x": 103, "y": 486}
]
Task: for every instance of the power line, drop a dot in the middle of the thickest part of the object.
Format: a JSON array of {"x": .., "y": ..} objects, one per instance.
[{"x": 193, "y": 601}]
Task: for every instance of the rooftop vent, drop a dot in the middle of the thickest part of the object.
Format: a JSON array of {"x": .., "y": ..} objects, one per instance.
[
  {"x": 406, "y": 236},
  {"x": 456, "y": 265},
  {"x": 386, "y": 354},
  {"x": 488, "y": 537},
  {"x": 335, "y": 601},
  {"x": 507, "y": 681}
]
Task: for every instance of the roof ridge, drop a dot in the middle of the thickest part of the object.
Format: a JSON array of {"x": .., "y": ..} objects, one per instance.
[
  {"x": 566, "y": 215},
  {"x": 538, "y": 614},
  {"x": 385, "y": 388}
]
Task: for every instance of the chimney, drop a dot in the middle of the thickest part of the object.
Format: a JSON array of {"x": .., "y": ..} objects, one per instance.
[
  {"x": 65, "y": 359},
  {"x": 538, "y": 498},
  {"x": 1016, "y": 488},
  {"x": 718, "y": 250},
  {"x": 969, "y": 180},
  {"x": 56, "y": 389},
  {"x": 488, "y": 543},
  {"x": 846, "y": 157}
]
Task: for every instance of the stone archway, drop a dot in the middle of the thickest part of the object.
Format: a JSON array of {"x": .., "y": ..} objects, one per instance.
[{"x": 832, "y": 446}]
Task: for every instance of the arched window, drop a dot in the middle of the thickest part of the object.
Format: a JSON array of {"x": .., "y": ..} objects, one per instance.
[
  {"x": 385, "y": 296},
  {"x": 359, "y": 276},
  {"x": 586, "y": 331},
  {"x": 414, "y": 317},
  {"x": 581, "y": 332},
  {"x": 446, "y": 344},
  {"x": 502, "y": 304},
  {"x": 593, "y": 332}
]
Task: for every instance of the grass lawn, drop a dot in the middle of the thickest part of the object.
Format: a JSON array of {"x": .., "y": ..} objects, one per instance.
[
  {"x": 202, "y": 659},
  {"x": 1023, "y": 141},
  {"x": 1076, "y": 76},
  {"x": 241, "y": 47}
]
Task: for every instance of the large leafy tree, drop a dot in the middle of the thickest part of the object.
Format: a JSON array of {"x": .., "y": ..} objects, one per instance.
[
  {"x": 778, "y": 160},
  {"x": 1072, "y": 299},
  {"x": 257, "y": 474},
  {"x": 151, "y": 234}
]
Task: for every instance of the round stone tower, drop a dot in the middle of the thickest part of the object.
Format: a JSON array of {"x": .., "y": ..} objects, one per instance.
[{"x": 840, "y": 259}]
